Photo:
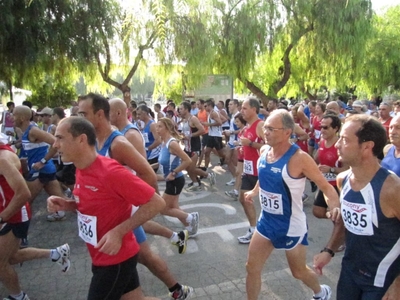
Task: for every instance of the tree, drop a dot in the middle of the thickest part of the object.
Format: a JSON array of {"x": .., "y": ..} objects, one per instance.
[{"x": 265, "y": 44}]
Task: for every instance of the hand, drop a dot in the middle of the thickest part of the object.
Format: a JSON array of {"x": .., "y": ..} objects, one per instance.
[
  {"x": 37, "y": 166},
  {"x": 248, "y": 196},
  {"x": 324, "y": 168},
  {"x": 55, "y": 203},
  {"x": 245, "y": 141},
  {"x": 110, "y": 243},
  {"x": 394, "y": 290},
  {"x": 170, "y": 177},
  {"x": 227, "y": 132},
  {"x": 334, "y": 214},
  {"x": 320, "y": 261}
]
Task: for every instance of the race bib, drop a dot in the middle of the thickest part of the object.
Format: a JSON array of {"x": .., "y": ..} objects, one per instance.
[
  {"x": 87, "y": 228},
  {"x": 357, "y": 218},
  {"x": 271, "y": 202},
  {"x": 317, "y": 134},
  {"x": 145, "y": 137},
  {"x": 248, "y": 167}
]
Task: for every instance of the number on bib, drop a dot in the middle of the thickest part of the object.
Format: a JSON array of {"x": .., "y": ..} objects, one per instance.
[
  {"x": 87, "y": 228},
  {"x": 357, "y": 218},
  {"x": 248, "y": 167},
  {"x": 271, "y": 202}
]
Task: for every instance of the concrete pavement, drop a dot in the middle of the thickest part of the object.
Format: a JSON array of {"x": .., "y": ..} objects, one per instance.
[{"x": 214, "y": 263}]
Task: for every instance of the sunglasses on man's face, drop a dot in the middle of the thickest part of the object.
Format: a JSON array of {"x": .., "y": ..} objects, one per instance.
[{"x": 325, "y": 127}]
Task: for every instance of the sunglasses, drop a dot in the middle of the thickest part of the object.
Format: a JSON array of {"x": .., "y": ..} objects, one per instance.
[{"x": 325, "y": 127}]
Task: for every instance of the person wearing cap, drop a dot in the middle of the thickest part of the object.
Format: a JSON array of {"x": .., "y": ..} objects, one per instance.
[
  {"x": 46, "y": 114},
  {"x": 358, "y": 107}
]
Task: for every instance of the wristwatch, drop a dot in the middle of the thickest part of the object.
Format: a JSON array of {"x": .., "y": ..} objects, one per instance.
[
  {"x": 329, "y": 251},
  {"x": 43, "y": 161},
  {"x": 332, "y": 170}
]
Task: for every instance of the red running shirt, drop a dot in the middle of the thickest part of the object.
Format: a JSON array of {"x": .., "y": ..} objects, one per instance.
[
  {"x": 250, "y": 154},
  {"x": 328, "y": 157},
  {"x": 6, "y": 195},
  {"x": 105, "y": 193}
]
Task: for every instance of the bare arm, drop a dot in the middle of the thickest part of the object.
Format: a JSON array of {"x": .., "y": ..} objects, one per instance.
[
  {"x": 200, "y": 128},
  {"x": 136, "y": 139},
  {"x": 157, "y": 140},
  {"x": 9, "y": 168},
  {"x": 123, "y": 152}
]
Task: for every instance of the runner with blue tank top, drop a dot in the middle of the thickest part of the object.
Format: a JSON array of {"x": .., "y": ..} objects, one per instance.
[
  {"x": 174, "y": 160},
  {"x": 37, "y": 146},
  {"x": 370, "y": 209},
  {"x": 232, "y": 134},
  {"x": 282, "y": 171},
  {"x": 150, "y": 136},
  {"x": 391, "y": 161}
]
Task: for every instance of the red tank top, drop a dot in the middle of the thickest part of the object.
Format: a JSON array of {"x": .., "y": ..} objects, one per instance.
[
  {"x": 328, "y": 157},
  {"x": 250, "y": 154},
  {"x": 6, "y": 194},
  {"x": 316, "y": 124}
]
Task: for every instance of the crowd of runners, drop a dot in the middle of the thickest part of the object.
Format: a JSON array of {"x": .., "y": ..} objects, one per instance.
[{"x": 91, "y": 159}]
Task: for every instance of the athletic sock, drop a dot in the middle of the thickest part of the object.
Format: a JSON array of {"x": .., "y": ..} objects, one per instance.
[
  {"x": 252, "y": 229},
  {"x": 189, "y": 218},
  {"x": 20, "y": 296},
  {"x": 54, "y": 255},
  {"x": 174, "y": 238},
  {"x": 321, "y": 294}
]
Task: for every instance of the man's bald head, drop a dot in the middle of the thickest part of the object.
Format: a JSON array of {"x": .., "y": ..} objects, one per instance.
[
  {"x": 334, "y": 106},
  {"x": 23, "y": 111},
  {"x": 117, "y": 104},
  {"x": 117, "y": 111}
]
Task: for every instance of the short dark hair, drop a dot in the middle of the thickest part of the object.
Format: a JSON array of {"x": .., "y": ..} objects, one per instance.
[
  {"x": 371, "y": 130},
  {"x": 193, "y": 102},
  {"x": 99, "y": 102},
  {"x": 201, "y": 101},
  {"x": 27, "y": 103},
  {"x": 186, "y": 105},
  {"x": 10, "y": 103},
  {"x": 79, "y": 125},
  {"x": 335, "y": 121},
  {"x": 144, "y": 108},
  {"x": 59, "y": 111},
  {"x": 172, "y": 104},
  {"x": 210, "y": 103},
  {"x": 157, "y": 105},
  {"x": 253, "y": 102},
  {"x": 235, "y": 101},
  {"x": 241, "y": 119}
]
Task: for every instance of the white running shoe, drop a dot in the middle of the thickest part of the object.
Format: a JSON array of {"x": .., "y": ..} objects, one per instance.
[
  {"x": 328, "y": 293},
  {"x": 245, "y": 239},
  {"x": 212, "y": 179},
  {"x": 25, "y": 297},
  {"x": 57, "y": 216},
  {"x": 231, "y": 182},
  {"x": 194, "y": 224},
  {"x": 183, "y": 294},
  {"x": 232, "y": 194},
  {"x": 63, "y": 260}
]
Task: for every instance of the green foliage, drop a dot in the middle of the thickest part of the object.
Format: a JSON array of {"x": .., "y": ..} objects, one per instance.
[{"x": 53, "y": 93}]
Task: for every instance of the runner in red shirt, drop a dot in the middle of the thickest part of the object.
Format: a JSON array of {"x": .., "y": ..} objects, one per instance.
[
  {"x": 252, "y": 140},
  {"x": 101, "y": 183},
  {"x": 14, "y": 223}
]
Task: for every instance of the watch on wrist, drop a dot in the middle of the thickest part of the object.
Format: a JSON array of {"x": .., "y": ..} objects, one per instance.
[
  {"x": 332, "y": 170},
  {"x": 43, "y": 161},
  {"x": 251, "y": 144},
  {"x": 329, "y": 251}
]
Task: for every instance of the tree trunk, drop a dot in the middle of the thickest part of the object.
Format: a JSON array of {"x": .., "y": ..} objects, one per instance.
[{"x": 10, "y": 89}]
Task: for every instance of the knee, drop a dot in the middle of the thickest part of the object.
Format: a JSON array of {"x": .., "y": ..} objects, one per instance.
[
  {"x": 298, "y": 274},
  {"x": 253, "y": 267}
]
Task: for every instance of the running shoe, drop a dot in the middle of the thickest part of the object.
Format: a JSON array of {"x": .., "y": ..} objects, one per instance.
[
  {"x": 194, "y": 224},
  {"x": 24, "y": 243},
  {"x": 232, "y": 182},
  {"x": 193, "y": 188},
  {"x": 63, "y": 260},
  {"x": 328, "y": 293},
  {"x": 211, "y": 177},
  {"x": 182, "y": 294},
  {"x": 25, "y": 297},
  {"x": 232, "y": 194},
  {"x": 57, "y": 216},
  {"x": 68, "y": 193},
  {"x": 182, "y": 242},
  {"x": 245, "y": 239}
]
